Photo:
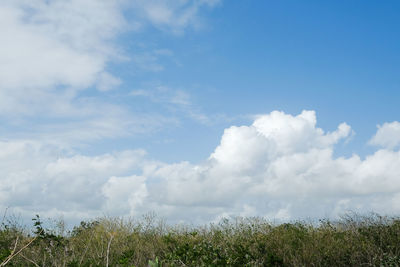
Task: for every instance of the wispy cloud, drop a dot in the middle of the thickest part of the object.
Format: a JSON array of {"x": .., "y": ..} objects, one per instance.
[
  {"x": 148, "y": 61},
  {"x": 175, "y": 99},
  {"x": 171, "y": 15},
  {"x": 164, "y": 94},
  {"x": 53, "y": 54}
]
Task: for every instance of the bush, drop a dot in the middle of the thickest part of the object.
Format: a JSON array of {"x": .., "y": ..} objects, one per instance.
[{"x": 351, "y": 241}]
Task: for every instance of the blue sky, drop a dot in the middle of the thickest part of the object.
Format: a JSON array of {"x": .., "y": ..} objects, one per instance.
[
  {"x": 199, "y": 109},
  {"x": 337, "y": 58}
]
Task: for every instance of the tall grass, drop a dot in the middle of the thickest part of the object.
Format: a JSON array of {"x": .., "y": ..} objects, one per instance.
[{"x": 353, "y": 240}]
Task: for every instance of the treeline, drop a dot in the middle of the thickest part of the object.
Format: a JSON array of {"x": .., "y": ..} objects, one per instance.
[{"x": 353, "y": 240}]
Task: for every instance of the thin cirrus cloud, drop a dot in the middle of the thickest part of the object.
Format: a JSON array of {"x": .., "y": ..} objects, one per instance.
[
  {"x": 173, "y": 99},
  {"x": 171, "y": 15},
  {"x": 281, "y": 166}
]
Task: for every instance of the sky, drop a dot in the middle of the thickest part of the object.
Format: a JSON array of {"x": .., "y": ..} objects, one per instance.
[{"x": 199, "y": 110}]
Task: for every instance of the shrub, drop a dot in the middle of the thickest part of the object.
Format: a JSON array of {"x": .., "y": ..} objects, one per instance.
[{"x": 351, "y": 241}]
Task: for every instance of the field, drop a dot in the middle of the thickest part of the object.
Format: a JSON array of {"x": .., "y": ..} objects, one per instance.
[{"x": 353, "y": 240}]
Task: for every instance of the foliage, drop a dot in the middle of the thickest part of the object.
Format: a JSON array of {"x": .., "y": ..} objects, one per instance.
[{"x": 351, "y": 241}]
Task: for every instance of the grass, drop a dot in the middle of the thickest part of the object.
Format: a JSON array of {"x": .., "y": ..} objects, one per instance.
[{"x": 353, "y": 240}]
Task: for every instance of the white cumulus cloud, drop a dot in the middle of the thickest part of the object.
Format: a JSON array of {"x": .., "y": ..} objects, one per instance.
[
  {"x": 280, "y": 167},
  {"x": 48, "y": 46},
  {"x": 387, "y": 136}
]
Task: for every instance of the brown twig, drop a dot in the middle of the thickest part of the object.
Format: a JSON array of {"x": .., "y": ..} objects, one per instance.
[
  {"x": 34, "y": 263},
  {"x": 13, "y": 254}
]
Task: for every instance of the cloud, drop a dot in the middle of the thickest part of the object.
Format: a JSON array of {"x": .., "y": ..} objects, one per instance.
[
  {"x": 50, "y": 52},
  {"x": 272, "y": 136},
  {"x": 280, "y": 167},
  {"x": 125, "y": 194},
  {"x": 44, "y": 179},
  {"x": 87, "y": 121},
  {"x": 108, "y": 82},
  {"x": 173, "y": 99},
  {"x": 148, "y": 61},
  {"x": 164, "y": 94},
  {"x": 54, "y": 53},
  {"x": 172, "y": 15},
  {"x": 387, "y": 136},
  {"x": 50, "y": 47}
]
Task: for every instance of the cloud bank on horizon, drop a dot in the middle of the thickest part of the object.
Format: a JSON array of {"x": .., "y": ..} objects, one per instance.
[
  {"x": 281, "y": 166},
  {"x": 59, "y": 92}
]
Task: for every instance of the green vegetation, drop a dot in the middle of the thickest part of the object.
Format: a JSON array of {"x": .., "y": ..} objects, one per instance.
[{"x": 351, "y": 241}]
